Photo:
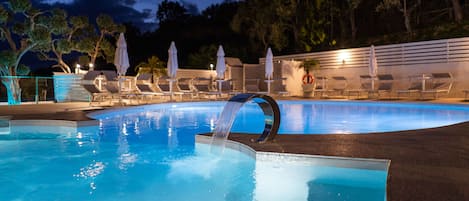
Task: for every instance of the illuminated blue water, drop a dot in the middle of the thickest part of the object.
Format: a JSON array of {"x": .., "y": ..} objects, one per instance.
[
  {"x": 148, "y": 153},
  {"x": 319, "y": 117}
]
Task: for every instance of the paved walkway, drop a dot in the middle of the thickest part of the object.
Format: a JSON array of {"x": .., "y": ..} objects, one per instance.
[{"x": 429, "y": 164}]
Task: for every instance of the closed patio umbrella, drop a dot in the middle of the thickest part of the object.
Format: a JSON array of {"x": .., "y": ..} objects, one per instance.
[
  {"x": 373, "y": 66},
  {"x": 121, "y": 58},
  {"x": 269, "y": 64},
  {"x": 221, "y": 67},
  {"x": 269, "y": 68},
  {"x": 172, "y": 60},
  {"x": 172, "y": 66}
]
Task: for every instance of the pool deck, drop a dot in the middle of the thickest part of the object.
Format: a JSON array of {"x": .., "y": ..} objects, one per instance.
[{"x": 428, "y": 164}]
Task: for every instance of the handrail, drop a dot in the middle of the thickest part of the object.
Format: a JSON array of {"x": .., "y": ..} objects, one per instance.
[{"x": 36, "y": 82}]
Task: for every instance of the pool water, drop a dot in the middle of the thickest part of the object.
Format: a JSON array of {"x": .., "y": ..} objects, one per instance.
[
  {"x": 136, "y": 162},
  {"x": 314, "y": 117},
  {"x": 149, "y": 153}
]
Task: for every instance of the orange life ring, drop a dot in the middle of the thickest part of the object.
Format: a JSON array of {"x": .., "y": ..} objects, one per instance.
[{"x": 308, "y": 79}]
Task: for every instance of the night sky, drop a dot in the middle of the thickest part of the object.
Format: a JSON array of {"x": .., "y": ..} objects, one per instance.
[{"x": 141, "y": 13}]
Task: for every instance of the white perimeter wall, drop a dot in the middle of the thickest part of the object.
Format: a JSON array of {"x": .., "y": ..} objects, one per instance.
[{"x": 400, "y": 60}]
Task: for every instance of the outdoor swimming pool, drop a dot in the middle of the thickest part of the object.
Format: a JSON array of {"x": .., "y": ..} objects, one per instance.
[{"x": 149, "y": 153}]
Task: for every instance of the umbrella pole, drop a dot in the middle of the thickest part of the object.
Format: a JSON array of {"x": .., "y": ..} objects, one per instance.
[
  {"x": 171, "y": 81},
  {"x": 268, "y": 86},
  {"x": 219, "y": 85},
  {"x": 269, "y": 81},
  {"x": 119, "y": 86}
]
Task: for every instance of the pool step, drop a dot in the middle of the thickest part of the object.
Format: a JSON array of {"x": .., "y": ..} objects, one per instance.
[{"x": 5, "y": 125}]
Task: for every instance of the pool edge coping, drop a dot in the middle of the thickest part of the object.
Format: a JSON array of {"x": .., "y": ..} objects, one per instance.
[{"x": 336, "y": 161}]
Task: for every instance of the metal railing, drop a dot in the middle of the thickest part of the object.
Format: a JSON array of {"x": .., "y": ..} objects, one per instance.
[{"x": 33, "y": 88}]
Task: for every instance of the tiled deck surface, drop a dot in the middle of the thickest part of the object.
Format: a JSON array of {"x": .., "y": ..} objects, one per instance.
[{"x": 430, "y": 164}]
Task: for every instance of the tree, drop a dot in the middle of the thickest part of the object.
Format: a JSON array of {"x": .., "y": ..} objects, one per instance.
[
  {"x": 404, "y": 7},
  {"x": 204, "y": 57},
  {"x": 262, "y": 25},
  {"x": 154, "y": 66},
  {"x": 311, "y": 24},
  {"x": 457, "y": 9},
  {"x": 293, "y": 23},
  {"x": 169, "y": 11},
  {"x": 23, "y": 32},
  {"x": 63, "y": 36},
  {"x": 352, "y": 6},
  {"x": 99, "y": 45}
]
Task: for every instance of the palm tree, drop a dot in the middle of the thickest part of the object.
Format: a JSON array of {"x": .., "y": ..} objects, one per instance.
[{"x": 154, "y": 66}]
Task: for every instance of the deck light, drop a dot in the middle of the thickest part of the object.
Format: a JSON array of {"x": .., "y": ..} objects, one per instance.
[{"x": 77, "y": 69}]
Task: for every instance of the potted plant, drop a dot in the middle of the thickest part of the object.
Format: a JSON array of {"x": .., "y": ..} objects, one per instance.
[{"x": 308, "y": 66}]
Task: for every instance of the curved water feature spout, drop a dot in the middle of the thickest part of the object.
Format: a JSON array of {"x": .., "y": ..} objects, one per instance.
[{"x": 268, "y": 106}]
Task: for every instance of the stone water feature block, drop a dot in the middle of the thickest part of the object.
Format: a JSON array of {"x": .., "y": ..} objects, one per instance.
[{"x": 67, "y": 87}]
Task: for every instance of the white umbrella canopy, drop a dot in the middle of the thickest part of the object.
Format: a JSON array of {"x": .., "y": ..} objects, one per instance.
[
  {"x": 373, "y": 66},
  {"x": 121, "y": 58},
  {"x": 172, "y": 60},
  {"x": 373, "y": 63},
  {"x": 221, "y": 67},
  {"x": 269, "y": 64}
]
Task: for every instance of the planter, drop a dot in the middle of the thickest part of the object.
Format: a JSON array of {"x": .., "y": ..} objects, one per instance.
[{"x": 308, "y": 90}]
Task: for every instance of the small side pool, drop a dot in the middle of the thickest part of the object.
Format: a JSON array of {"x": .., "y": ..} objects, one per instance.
[{"x": 133, "y": 159}]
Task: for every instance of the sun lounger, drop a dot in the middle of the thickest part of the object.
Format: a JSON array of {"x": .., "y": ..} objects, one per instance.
[
  {"x": 338, "y": 86},
  {"x": 385, "y": 85},
  {"x": 95, "y": 93},
  {"x": 184, "y": 85},
  {"x": 441, "y": 83},
  {"x": 149, "y": 90},
  {"x": 280, "y": 88},
  {"x": 466, "y": 91},
  {"x": 251, "y": 85},
  {"x": 365, "y": 87},
  {"x": 91, "y": 75},
  {"x": 145, "y": 77},
  {"x": 116, "y": 94},
  {"x": 163, "y": 86},
  {"x": 203, "y": 87},
  {"x": 110, "y": 75},
  {"x": 227, "y": 88},
  {"x": 145, "y": 86},
  {"x": 88, "y": 83},
  {"x": 414, "y": 87},
  {"x": 320, "y": 86}
]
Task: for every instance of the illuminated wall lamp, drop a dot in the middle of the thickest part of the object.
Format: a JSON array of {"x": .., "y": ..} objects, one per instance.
[{"x": 343, "y": 57}]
